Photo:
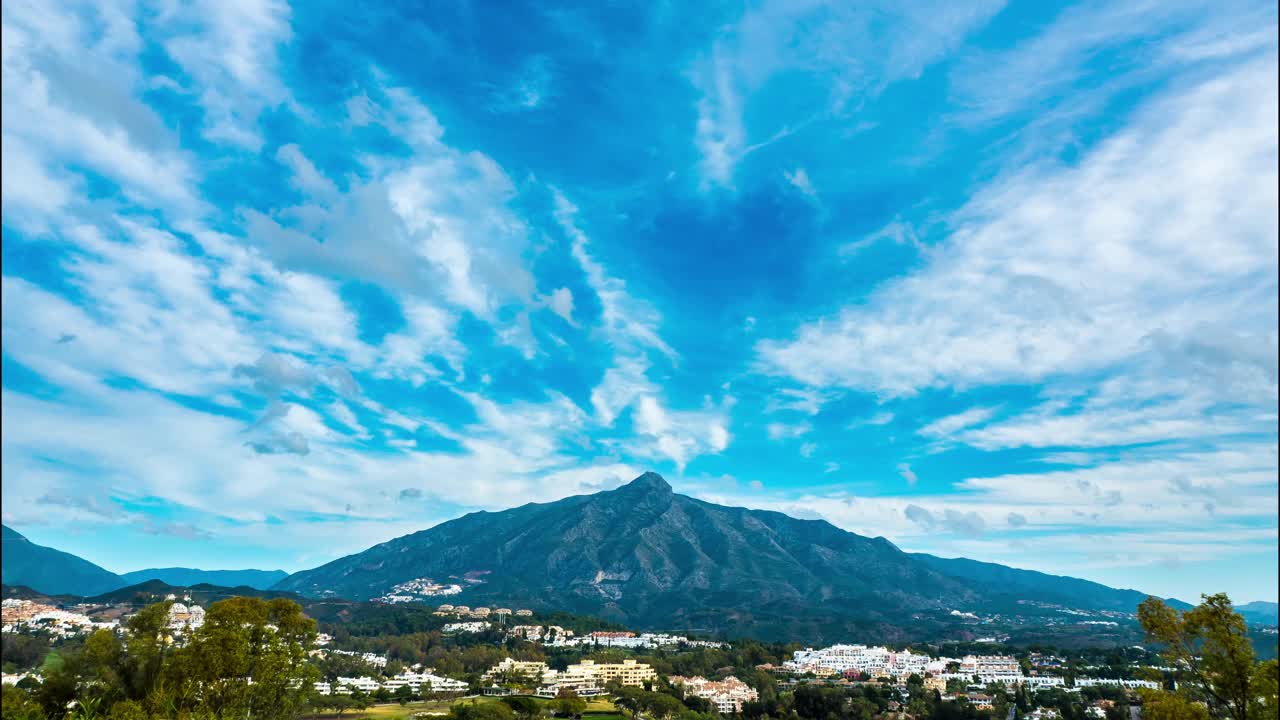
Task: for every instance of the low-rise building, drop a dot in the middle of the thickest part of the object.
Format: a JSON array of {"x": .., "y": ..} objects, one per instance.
[
  {"x": 1116, "y": 682},
  {"x": 364, "y": 684},
  {"x": 980, "y": 701}
]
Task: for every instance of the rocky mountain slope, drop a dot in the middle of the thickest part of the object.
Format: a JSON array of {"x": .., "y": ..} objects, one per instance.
[{"x": 647, "y": 556}]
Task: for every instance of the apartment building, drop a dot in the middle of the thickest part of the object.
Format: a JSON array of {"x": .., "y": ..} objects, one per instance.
[
  {"x": 628, "y": 672},
  {"x": 535, "y": 671},
  {"x": 990, "y": 665},
  {"x": 726, "y": 696}
]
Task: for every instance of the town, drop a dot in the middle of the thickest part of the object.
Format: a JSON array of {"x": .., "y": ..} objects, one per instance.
[{"x": 451, "y": 652}]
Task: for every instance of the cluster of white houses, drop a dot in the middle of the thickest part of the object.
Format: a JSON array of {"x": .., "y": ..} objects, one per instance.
[
  {"x": 877, "y": 661},
  {"x": 480, "y": 613},
  {"x": 726, "y": 695},
  {"x": 420, "y": 683},
  {"x": 556, "y": 636},
  {"x": 18, "y": 615},
  {"x": 584, "y": 678},
  {"x": 373, "y": 659}
]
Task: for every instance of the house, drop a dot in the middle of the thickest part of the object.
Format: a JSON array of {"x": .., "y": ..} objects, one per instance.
[{"x": 980, "y": 701}]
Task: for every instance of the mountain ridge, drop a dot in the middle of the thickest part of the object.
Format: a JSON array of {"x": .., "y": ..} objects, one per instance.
[
  {"x": 181, "y": 576},
  {"x": 48, "y": 570},
  {"x": 55, "y": 572},
  {"x": 642, "y": 554}
]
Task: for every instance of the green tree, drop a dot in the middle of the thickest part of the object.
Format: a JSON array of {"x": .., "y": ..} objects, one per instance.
[
  {"x": 128, "y": 710},
  {"x": 1209, "y": 645},
  {"x": 146, "y": 646},
  {"x": 525, "y": 708},
  {"x": 661, "y": 705},
  {"x": 17, "y": 704},
  {"x": 482, "y": 711},
  {"x": 248, "y": 660},
  {"x": 1159, "y": 705},
  {"x": 569, "y": 705}
]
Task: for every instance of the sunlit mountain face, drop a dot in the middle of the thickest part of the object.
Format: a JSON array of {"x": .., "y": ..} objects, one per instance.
[{"x": 996, "y": 281}]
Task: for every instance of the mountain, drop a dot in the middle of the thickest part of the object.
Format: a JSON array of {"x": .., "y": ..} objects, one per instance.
[
  {"x": 183, "y": 577},
  {"x": 50, "y": 571},
  {"x": 46, "y": 570},
  {"x": 1260, "y": 613},
  {"x": 644, "y": 555},
  {"x": 150, "y": 591},
  {"x": 1041, "y": 587}
]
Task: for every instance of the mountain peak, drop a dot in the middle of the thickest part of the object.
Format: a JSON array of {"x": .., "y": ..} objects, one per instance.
[{"x": 648, "y": 483}]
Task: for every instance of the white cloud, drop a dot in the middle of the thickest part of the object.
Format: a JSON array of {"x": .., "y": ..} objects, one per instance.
[
  {"x": 947, "y": 426},
  {"x": 1213, "y": 504},
  {"x": 720, "y": 136},
  {"x": 799, "y": 179},
  {"x": 855, "y": 50},
  {"x": 1050, "y": 68},
  {"x": 342, "y": 413},
  {"x": 626, "y": 321},
  {"x": 679, "y": 435},
  {"x": 228, "y": 48},
  {"x": 561, "y": 303},
  {"x": 1128, "y": 259},
  {"x": 906, "y": 473},
  {"x": 69, "y": 80},
  {"x": 306, "y": 177},
  {"x": 433, "y": 226},
  {"x": 805, "y": 400},
  {"x": 897, "y": 232},
  {"x": 783, "y": 431},
  {"x": 630, "y": 326}
]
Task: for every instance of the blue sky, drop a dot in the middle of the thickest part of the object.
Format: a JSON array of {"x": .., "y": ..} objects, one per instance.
[{"x": 994, "y": 280}]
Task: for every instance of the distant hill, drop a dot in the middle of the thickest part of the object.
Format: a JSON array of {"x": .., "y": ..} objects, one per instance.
[
  {"x": 151, "y": 591},
  {"x": 54, "y": 572},
  {"x": 50, "y": 571},
  {"x": 22, "y": 592},
  {"x": 1042, "y": 587},
  {"x": 643, "y": 555},
  {"x": 1260, "y": 613},
  {"x": 182, "y": 577}
]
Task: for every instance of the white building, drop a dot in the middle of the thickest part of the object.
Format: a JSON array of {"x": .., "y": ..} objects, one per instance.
[
  {"x": 465, "y": 627},
  {"x": 875, "y": 661},
  {"x": 183, "y": 617},
  {"x": 1131, "y": 684},
  {"x": 726, "y": 696},
  {"x": 536, "y": 672},
  {"x": 365, "y": 684},
  {"x": 990, "y": 665}
]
